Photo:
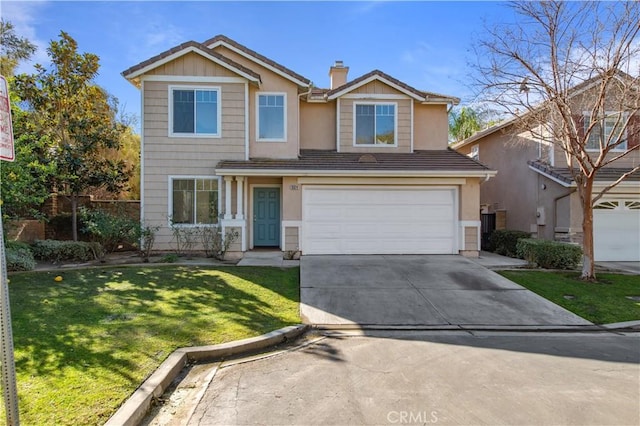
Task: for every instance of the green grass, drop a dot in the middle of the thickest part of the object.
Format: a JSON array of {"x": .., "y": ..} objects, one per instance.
[
  {"x": 603, "y": 302},
  {"x": 83, "y": 345}
]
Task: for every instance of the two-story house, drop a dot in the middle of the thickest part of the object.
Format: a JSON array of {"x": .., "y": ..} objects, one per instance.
[
  {"x": 231, "y": 138},
  {"x": 536, "y": 192}
]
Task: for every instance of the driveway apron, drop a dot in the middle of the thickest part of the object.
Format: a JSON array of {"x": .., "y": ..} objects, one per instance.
[{"x": 418, "y": 290}]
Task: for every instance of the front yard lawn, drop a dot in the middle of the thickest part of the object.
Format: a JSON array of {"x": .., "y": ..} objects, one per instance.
[
  {"x": 615, "y": 298},
  {"x": 84, "y": 344}
]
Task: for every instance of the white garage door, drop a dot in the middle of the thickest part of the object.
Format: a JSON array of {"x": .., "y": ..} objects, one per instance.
[
  {"x": 616, "y": 231},
  {"x": 378, "y": 220}
]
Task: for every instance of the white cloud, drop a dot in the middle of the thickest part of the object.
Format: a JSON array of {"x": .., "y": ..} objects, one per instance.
[{"x": 24, "y": 16}]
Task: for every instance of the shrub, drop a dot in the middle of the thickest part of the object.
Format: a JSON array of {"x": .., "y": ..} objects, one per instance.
[
  {"x": 549, "y": 254},
  {"x": 19, "y": 257},
  {"x": 214, "y": 243},
  {"x": 504, "y": 241},
  {"x": 148, "y": 237},
  {"x": 110, "y": 230},
  {"x": 57, "y": 251}
]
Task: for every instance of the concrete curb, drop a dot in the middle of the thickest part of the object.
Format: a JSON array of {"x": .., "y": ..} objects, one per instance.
[
  {"x": 136, "y": 407},
  {"x": 630, "y": 325}
]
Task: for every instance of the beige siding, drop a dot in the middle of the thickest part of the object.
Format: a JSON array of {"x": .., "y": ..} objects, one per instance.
[
  {"x": 166, "y": 156},
  {"x": 236, "y": 245},
  {"x": 192, "y": 64},
  {"x": 347, "y": 122},
  {"x": 431, "y": 127},
  {"x": 270, "y": 82},
  {"x": 318, "y": 125},
  {"x": 376, "y": 88}
]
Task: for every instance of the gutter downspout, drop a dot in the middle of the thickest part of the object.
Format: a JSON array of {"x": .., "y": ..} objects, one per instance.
[{"x": 307, "y": 93}]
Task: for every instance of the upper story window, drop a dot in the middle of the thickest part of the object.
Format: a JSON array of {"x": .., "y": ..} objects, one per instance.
[
  {"x": 272, "y": 117},
  {"x": 194, "y": 201},
  {"x": 375, "y": 124},
  {"x": 609, "y": 130},
  {"x": 194, "y": 112},
  {"x": 475, "y": 153}
]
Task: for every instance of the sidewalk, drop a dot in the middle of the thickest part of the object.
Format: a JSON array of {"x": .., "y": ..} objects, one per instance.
[{"x": 495, "y": 261}]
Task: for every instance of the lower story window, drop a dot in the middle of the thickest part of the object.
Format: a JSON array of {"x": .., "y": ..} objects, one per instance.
[{"x": 194, "y": 201}]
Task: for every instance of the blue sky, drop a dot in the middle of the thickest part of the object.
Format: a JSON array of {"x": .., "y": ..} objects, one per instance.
[{"x": 425, "y": 44}]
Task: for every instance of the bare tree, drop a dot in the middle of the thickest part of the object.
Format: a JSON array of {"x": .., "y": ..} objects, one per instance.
[{"x": 566, "y": 72}]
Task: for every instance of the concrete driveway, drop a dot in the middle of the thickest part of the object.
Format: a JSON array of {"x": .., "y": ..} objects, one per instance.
[
  {"x": 410, "y": 290},
  {"x": 442, "y": 377}
]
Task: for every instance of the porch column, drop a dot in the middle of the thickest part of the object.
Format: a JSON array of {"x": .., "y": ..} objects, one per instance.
[
  {"x": 227, "y": 197},
  {"x": 239, "y": 197}
]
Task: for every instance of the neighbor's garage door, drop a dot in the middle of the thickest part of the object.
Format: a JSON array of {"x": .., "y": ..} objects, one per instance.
[
  {"x": 378, "y": 220},
  {"x": 616, "y": 231}
]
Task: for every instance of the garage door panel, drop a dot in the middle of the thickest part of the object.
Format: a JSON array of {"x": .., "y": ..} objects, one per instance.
[
  {"x": 377, "y": 220},
  {"x": 616, "y": 235}
]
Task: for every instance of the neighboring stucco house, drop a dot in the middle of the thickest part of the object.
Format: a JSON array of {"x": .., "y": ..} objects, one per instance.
[
  {"x": 535, "y": 189},
  {"x": 231, "y": 138}
]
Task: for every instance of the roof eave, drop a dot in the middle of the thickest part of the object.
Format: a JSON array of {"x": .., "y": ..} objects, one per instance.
[
  {"x": 299, "y": 82},
  {"x": 354, "y": 173},
  {"x": 134, "y": 76}
]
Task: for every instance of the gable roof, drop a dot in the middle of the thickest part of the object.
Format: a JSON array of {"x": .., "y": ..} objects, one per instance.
[
  {"x": 574, "y": 91},
  {"x": 136, "y": 71},
  {"x": 446, "y": 162},
  {"x": 418, "y": 95},
  {"x": 222, "y": 40},
  {"x": 563, "y": 176}
]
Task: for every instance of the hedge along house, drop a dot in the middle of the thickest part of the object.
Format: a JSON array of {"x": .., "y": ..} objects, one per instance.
[{"x": 231, "y": 138}]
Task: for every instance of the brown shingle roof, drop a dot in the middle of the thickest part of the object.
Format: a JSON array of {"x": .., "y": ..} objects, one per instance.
[
  {"x": 126, "y": 73},
  {"x": 225, "y": 39},
  {"x": 563, "y": 174},
  {"x": 437, "y": 160}
]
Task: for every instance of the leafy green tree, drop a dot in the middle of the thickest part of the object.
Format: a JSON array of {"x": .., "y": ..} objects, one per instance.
[
  {"x": 25, "y": 182},
  {"x": 77, "y": 116},
  {"x": 464, "y": 122},
  {"x": 14, "y": 48}
]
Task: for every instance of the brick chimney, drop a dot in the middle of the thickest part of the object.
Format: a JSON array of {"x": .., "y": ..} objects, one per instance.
[{"x": 338, "y": 74}]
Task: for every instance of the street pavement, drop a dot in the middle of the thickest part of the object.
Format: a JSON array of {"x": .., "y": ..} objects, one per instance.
[{"x": 432, "y": 377}]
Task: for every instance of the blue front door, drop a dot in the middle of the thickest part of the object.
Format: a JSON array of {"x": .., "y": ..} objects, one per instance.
[{"x": 266, "y": 217}]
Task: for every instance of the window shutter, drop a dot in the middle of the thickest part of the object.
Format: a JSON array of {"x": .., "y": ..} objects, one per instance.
[{"x": 633, "y": 131}]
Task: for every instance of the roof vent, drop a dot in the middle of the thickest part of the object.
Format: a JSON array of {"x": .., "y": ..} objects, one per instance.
[{"x": 367, "y": 158}]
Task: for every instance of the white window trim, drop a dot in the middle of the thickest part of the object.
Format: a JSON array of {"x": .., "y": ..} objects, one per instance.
[
  {"x": 171, "y": 134},
  {"x": 619, "y": 148},
  {"x": 474, "y": 154},
  {"x": 170, "y": 201},
  {"x": 284, "y": 95},
  {"x": 395, "y": 125}
]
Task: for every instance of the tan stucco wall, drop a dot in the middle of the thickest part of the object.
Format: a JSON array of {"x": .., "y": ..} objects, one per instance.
[
  {"x": 270, "y": 82},
  {"x": 318, "y": 125},
  {"x": 291, "y": 199},
  {"x": 470, "y": 200},
  {"x": 431, "y": 127},
  {"x": 514, "y": 188}
]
